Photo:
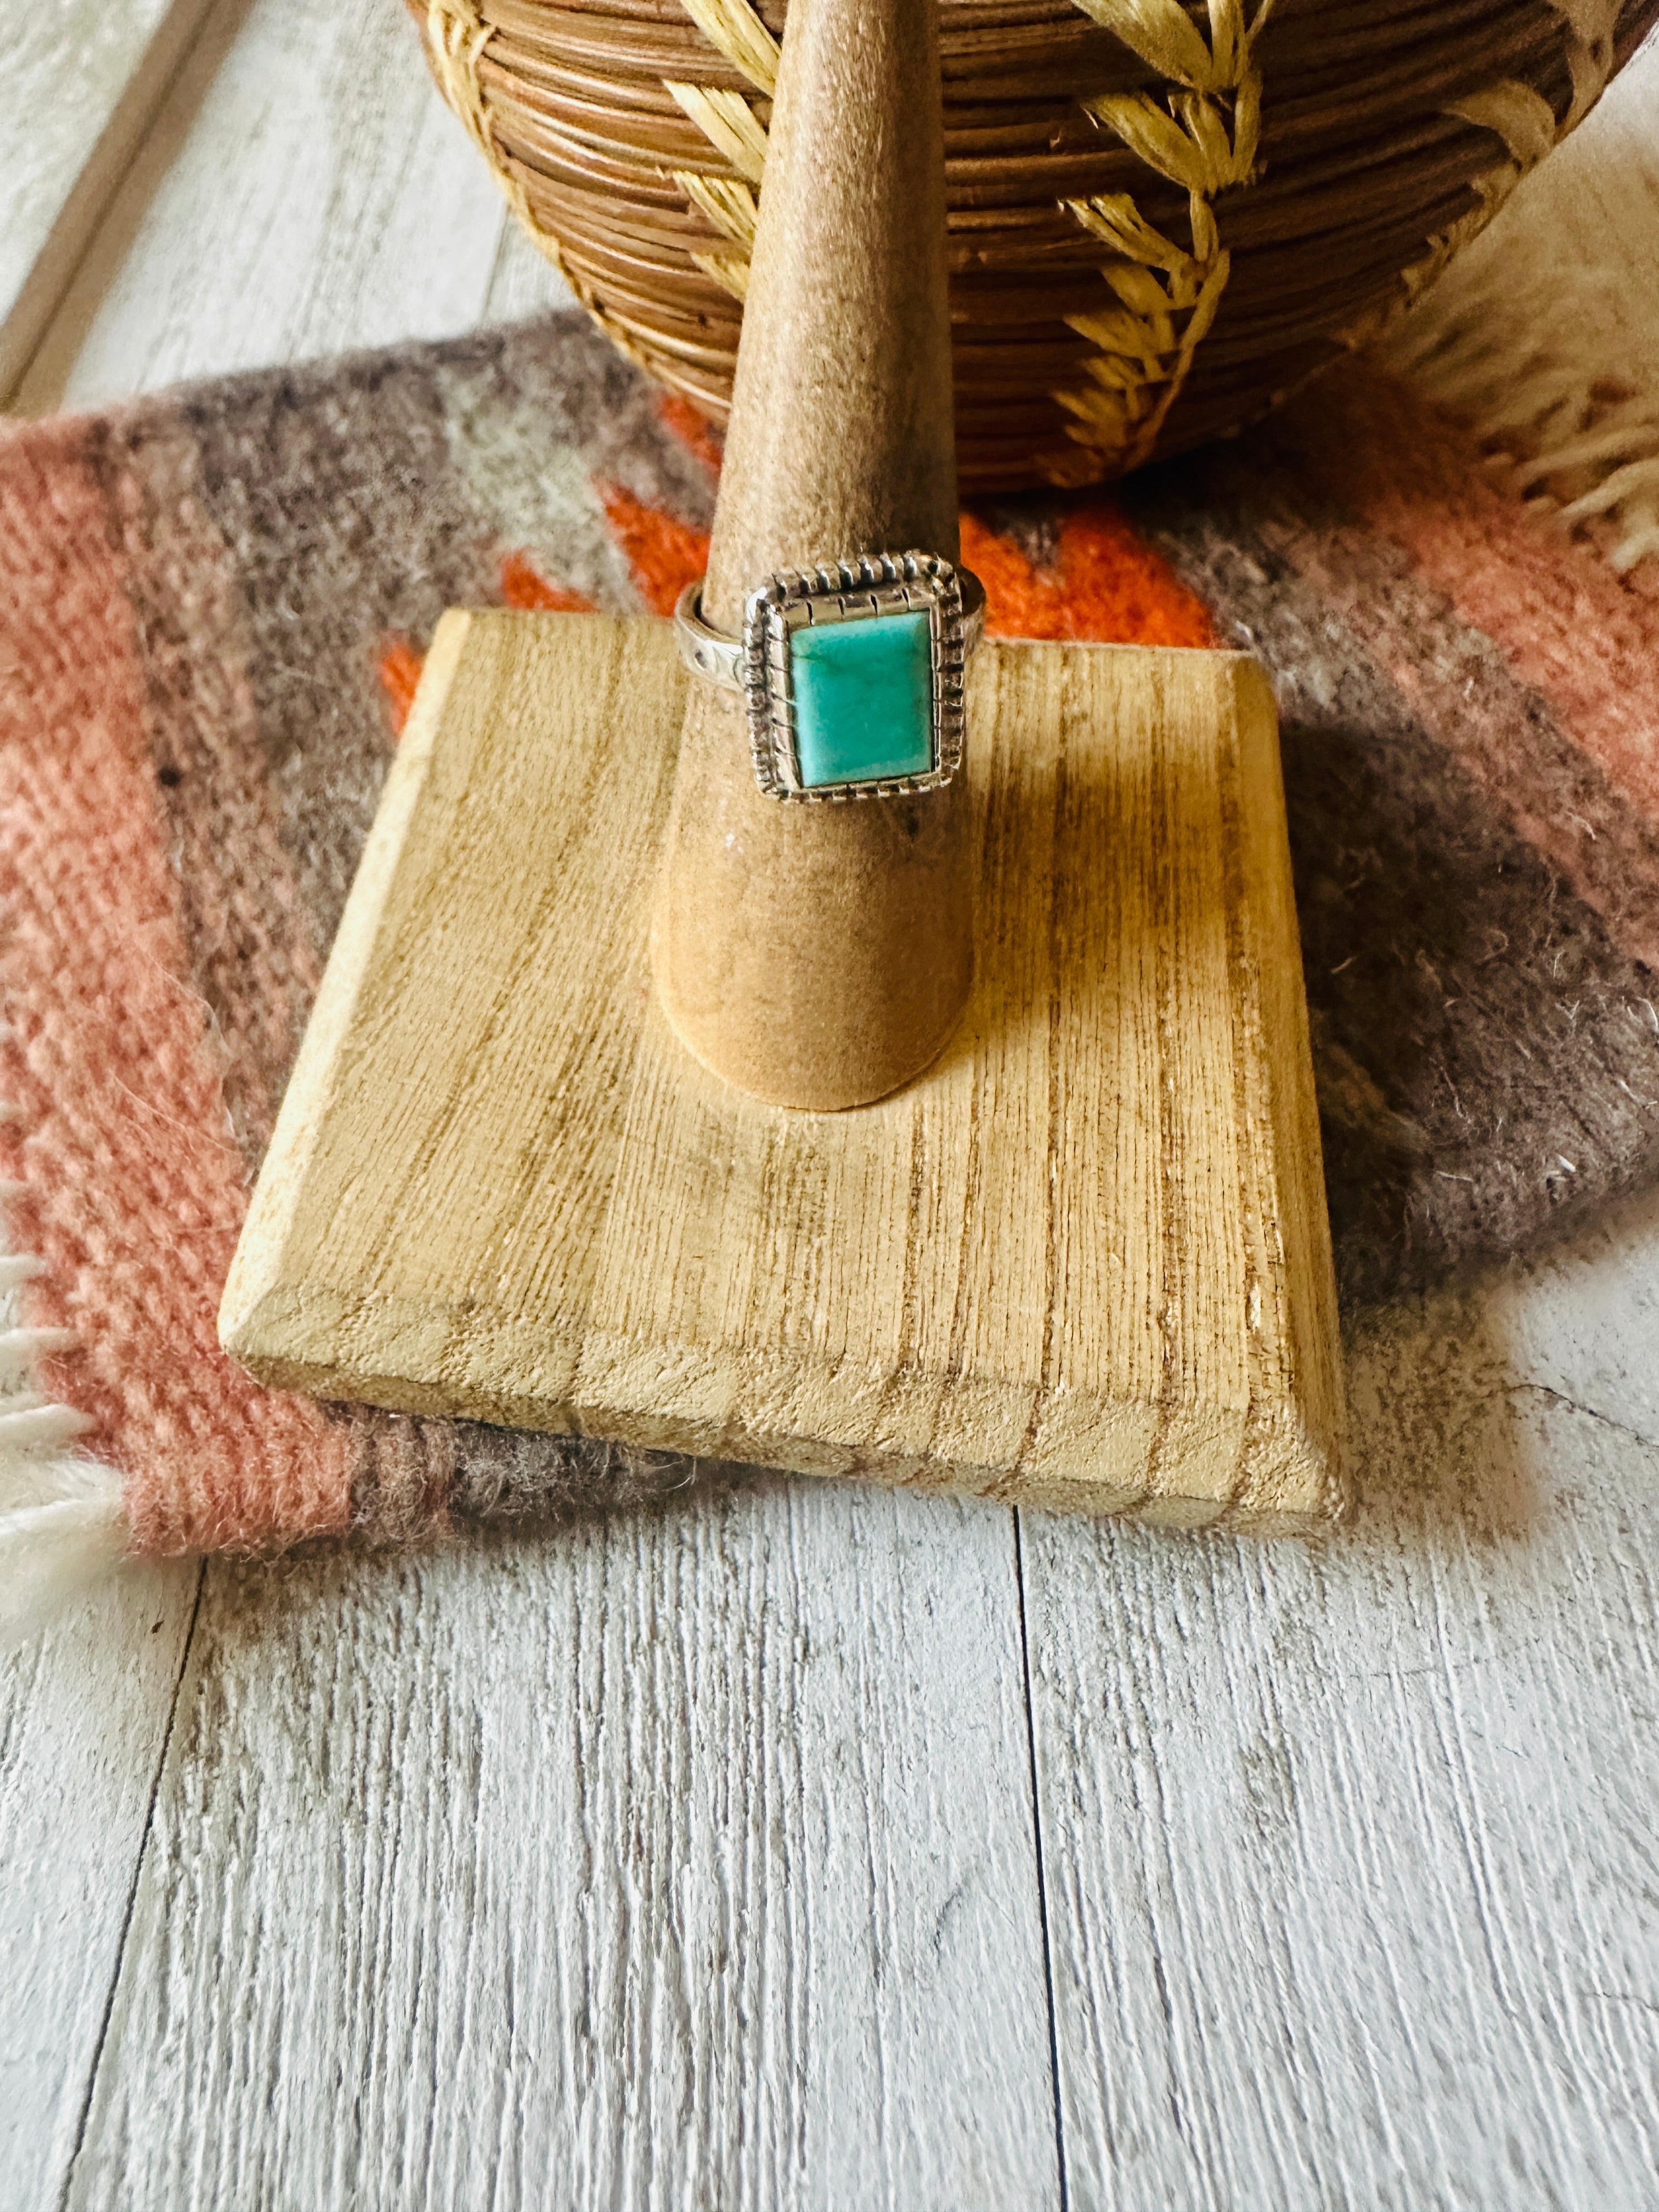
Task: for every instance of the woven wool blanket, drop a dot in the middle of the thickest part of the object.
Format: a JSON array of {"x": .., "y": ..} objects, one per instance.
[{"x": 212, "y": 610}]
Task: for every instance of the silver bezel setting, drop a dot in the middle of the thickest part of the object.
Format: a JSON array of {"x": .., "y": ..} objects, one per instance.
[{"x": 872, "y": 585}]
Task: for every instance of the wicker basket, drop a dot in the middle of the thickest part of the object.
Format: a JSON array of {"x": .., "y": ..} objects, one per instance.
[{"x": 1163, "y": 217}]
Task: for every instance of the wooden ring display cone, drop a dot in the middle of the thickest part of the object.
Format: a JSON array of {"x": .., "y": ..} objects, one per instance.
[{"x": 819, "y": 957}]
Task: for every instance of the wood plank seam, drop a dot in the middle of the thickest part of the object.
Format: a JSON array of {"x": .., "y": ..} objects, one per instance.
[
  {"x": 108, "y": 163},
  {"x": 132, "y": 1890},
  {"x": 1014, "y": 1517}
]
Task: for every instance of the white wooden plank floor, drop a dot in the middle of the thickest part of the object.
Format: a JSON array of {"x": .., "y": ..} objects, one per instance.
[
  {"x": 80, "y": 84},
  {"x": 809, "y": 1845}
]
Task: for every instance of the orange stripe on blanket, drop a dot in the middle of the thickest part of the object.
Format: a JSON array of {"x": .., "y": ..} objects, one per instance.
[
  {"x": 399, "y": 671},
  {"x": 664, "y": 555},
  {"x": 133, "y": 1189},
  {"x": 692, "y": 429},
  {"x": 1107, "y": 583},
  {"x": 524, "y": 587}
]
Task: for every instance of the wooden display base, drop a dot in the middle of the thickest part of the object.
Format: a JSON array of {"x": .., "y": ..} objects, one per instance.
[{"x": 1082, "y": 1262}]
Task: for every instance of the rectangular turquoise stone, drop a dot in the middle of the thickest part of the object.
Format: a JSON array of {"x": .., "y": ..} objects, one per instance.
[{"x": 864, "y": 698}]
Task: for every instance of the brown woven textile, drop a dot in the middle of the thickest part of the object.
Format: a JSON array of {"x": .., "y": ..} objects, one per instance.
[{"x": 212, "y": 608}]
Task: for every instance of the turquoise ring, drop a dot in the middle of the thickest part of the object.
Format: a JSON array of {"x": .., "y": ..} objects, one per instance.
[{"x": 852, "y": 674}]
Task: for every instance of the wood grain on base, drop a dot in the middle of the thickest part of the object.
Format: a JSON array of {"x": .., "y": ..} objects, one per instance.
[{"x": 1082, "y": 1262}]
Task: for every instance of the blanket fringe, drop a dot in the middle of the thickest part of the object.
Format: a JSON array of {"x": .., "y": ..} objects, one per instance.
[
  {"x": 62, "y": 1526},
  {"x": 63, "y": 1522},
  {"x": 1544, "y": 335}
]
